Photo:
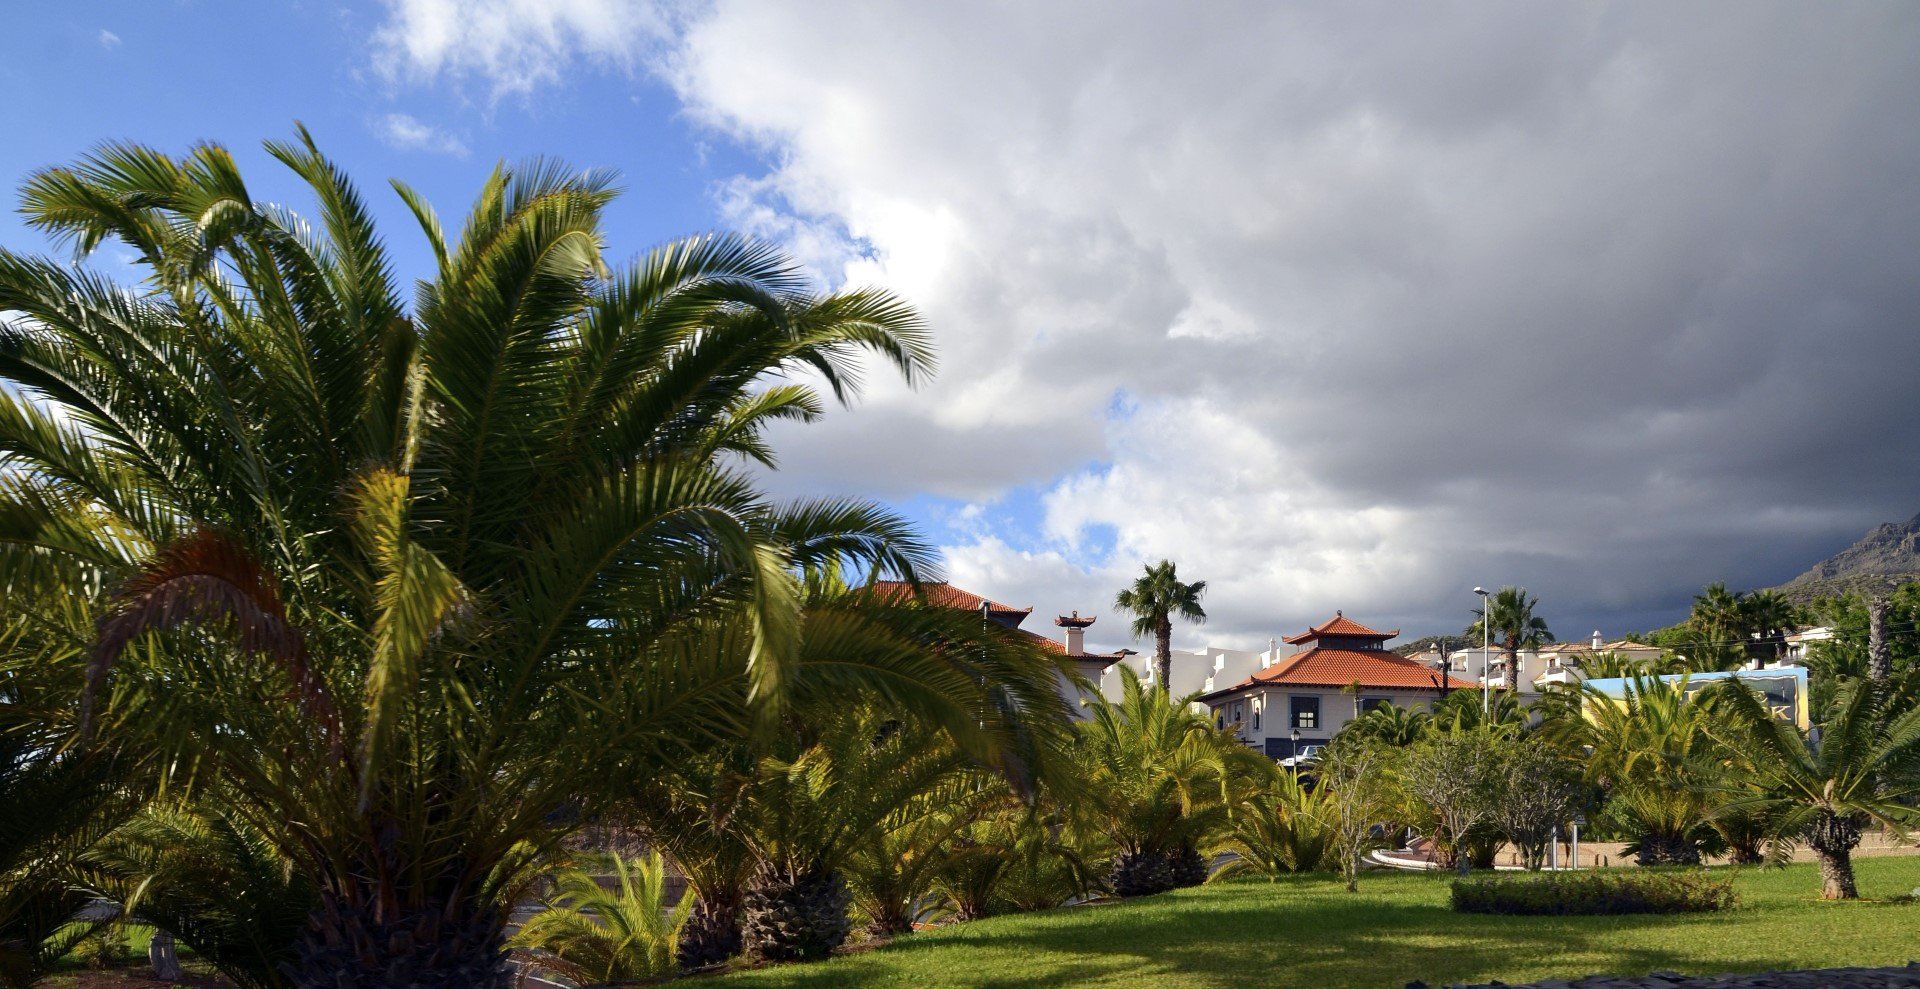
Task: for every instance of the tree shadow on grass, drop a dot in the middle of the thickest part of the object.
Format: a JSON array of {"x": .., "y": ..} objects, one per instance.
[{"x": 1293, "y": 932}]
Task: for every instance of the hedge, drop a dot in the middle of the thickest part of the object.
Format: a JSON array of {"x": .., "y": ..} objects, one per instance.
[{"x": 1561, "y": 894}]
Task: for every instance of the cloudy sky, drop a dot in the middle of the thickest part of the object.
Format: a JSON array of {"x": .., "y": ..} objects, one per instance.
[{"x": 1338, "y": 305}]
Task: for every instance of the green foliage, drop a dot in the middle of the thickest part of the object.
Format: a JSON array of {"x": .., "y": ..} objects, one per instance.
[
  {"x": 215, "y": 881},
  {"x": 1507, "y": 619},
  {"x": 1587, "y": 893},
  {"x": 1649, "y": 751},
  {"x": 1389, "y": 724},
  {"x": 1283, "y": 828},
  {"x": 593, "y": 933},
  {"x": 1157, "y": 597},
  {"x": 1153, "y": 778},
  {"x": 1457, "y": 780},
  {"x": 415, "y": 579},
  {"x": 1863, "y": 766}
]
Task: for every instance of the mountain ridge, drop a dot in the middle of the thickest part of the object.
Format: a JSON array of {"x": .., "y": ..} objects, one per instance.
[{"x": 1888, "y": 554}]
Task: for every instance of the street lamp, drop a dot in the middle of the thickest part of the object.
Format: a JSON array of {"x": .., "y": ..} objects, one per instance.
[
  {"x": 1296, "y": 756},
  {"x": 1486, "y": 649}
]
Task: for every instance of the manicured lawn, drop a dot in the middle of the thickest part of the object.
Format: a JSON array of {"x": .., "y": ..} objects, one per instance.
[{"x": 1308, "y": 932}]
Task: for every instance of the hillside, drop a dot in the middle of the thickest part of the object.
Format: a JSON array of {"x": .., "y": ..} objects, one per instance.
[{"x": 1889, "y": 554}]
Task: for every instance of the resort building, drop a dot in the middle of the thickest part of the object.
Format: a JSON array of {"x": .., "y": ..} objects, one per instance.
[
  {"x": 1342, "y": 669},
  {"x": 1090, "y": 667},
  {"x": 1800, "y": 641},
  {"x": 1569, "y": 662},
  {"x": 1190, "y": 672},
  {"x": 1558, "y": 662}
]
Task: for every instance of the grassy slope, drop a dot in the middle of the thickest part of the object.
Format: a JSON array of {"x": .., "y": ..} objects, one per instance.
[{"x": 1308, "y": 932}]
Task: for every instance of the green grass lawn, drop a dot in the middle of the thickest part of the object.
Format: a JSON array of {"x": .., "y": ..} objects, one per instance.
[{"x": 1310, "y": 932}]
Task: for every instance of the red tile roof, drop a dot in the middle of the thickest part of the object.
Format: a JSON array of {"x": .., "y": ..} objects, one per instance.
[
  {"x": 1340, "y": 625},
  {"x": 945, "y": 595},
  {"x": 1374, "y": 669}
]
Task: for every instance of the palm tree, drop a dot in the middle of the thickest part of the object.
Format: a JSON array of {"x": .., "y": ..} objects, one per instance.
[
  {"x": 200, "y": 872},
  {"x": 1391, "y": 724},
  {"x": 414, "y": 580},
  {"x": 1153, "y": 778},
  {"x": 1648, "y": 749},
  {"x": 1822, "y": 787},
  {"x": 1509, "y": 614},
  {"x": 856, "y": 776},
  {"x": 1156, "y": 598},
  {"x": 592, "y": 933}
]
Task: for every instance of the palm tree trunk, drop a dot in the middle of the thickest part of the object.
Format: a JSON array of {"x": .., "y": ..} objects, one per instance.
[
  {"x": 1833, "y": 838},
  {"x": 711, "y": 934},
  {"x": 1879, "y": 657},
  {"x": 161, "y": 956},
  {"x": 1836, "y": 876},
  {"x": 1163, "y": 655},
  {"x": 1513, "y": 670},
  {"x": 351, "y": 944}
]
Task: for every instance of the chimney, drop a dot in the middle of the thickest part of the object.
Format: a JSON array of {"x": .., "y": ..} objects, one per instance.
[
  {"x": 1597, "y": 640},
  {"x": 1076, "y": 627}
]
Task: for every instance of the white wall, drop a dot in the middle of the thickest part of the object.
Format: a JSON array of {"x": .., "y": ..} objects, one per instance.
[{"x": 1190, "y": 670}]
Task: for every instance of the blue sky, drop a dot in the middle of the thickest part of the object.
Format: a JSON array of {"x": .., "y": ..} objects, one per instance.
[
  {"x": 174, "y": 72},
  {"x": 1338, "y": 304}
]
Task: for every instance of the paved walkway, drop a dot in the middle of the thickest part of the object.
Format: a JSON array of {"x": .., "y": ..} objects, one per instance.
[{"x": 1903, "y": 977}]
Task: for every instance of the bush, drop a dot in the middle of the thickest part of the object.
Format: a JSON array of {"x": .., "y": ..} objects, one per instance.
[{"x": 1593, "y": 893}]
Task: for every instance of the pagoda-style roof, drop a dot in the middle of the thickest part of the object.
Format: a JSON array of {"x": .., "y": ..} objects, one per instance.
[
  {"x": 1332, "y": 668},
  {"x": 944, "y": 595},
  {"x": 1073, "y": 621},
  {"x": 1339, "y": 627}
]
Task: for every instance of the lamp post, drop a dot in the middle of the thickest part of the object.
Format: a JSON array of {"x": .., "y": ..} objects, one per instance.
[
  {"x": 1486, "y": 651},
  {"x": 1296, "y": 757}
]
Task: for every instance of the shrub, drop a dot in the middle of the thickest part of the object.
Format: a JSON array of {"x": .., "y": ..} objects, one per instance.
[
  {"x": 592, "y": 933},
  {"x": 1593, "y": 893}
]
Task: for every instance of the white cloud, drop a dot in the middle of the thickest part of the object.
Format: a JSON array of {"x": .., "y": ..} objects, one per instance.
[
  {"x": 109, "y": 40},
  {"x": 402, "y": 131},
  {"x": 1352, "y": 305},
  {"x": 515, "y": 46}
]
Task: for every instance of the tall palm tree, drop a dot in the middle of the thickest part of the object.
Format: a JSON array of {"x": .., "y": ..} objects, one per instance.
[
  {"x": 1509, "y": 614},
  {"x": 1862, "y": 766},
  {"x": 1156, "y": 598},
  {"x": 413, "y": 578}
]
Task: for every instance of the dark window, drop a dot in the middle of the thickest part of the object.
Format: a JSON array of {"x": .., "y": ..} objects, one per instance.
[
  {"x": 1256, "y": 715},
  {"x": 1306, "y": 711},
  {"x": 1369, "y": 703}
]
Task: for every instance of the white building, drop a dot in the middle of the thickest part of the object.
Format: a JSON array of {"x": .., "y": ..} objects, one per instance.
[
  {"x": 1189, "y": 671},
  {"x": 1799, "y": 641},
  {"x": 1558, "y": 662},
  {"x": 1294, "y": 705}
]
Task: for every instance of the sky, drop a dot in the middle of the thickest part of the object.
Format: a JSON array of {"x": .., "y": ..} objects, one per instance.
[{"x": 1337, "y": 305}]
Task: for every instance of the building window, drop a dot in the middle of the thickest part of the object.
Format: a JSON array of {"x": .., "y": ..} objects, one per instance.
[
  {"x": 1306, "y": 711},
  {"x": 1369, "y": 703},
  {"x": 1256, "y": 715},
  {"x": 1239, "y": 712}
]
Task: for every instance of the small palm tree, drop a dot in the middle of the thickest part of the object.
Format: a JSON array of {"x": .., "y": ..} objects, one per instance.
[
  {"x": 1285, "y": 827},
  {"x": 1155, "y": 600},
  {"x": 1647, "y": 749},
  {"x": 1509, "y": 614},
  {"x": 213, "y": 879},
  {"x": 1823, "y": 787},
  {"x": 593, "y": 933},
  {"x": 1153, "y": 787},
  {"x": 1390, "y": 724}
]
